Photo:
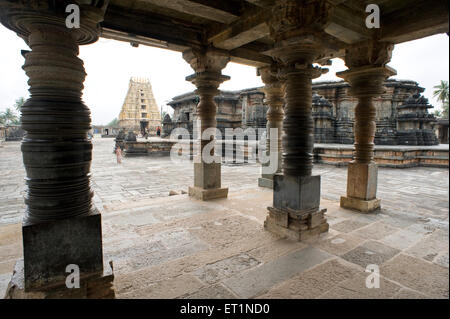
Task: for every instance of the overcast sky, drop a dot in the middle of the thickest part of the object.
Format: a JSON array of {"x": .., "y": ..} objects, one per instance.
[{"x": 110, "y": 64}]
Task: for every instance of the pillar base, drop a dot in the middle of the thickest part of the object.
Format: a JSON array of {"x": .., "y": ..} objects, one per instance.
[
  {"x": 92, "y": 286},
  {"x": 296, "y": 225},
  {"x": 207, "y": 194},
  {"x": 48, "y": 248},
  {"x": 265, "y": 182},
  {"x": 361, "y": 205}
]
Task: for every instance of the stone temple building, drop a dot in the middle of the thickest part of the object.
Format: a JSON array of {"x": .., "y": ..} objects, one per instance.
[
  {"x": 402, "y": 116},
  {"x": 244, "y": 108},
  {"x": 140, "y": 112}
]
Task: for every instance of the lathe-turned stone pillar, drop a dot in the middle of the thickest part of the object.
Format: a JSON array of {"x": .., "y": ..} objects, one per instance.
[
  {"x": 273, "y": 90},
  {"x": 61, "y": 227},
  {"x": 207, "y": 64},
  {"x": 366, "y": 75},
  {"x": 296, "y": 211}
]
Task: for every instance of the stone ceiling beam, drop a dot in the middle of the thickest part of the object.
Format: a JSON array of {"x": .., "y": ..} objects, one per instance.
[
  {"x": 347, "y": 26},
  {"x": 179, "y": 35},
  {"x": 415, "y": 21},
  {"x": 214, "y": 11},
  {"x": 242, "y": 31}
]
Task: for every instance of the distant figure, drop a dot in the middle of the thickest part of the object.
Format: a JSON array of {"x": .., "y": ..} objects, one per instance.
[
  {"x": 119, "y": 155},
  {"x": 158, "y": 131}
]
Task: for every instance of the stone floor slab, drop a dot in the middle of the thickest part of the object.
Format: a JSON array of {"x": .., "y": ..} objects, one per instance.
[
  {"x": 254, "y": 282},
  {"x": 370, "y": 253}
]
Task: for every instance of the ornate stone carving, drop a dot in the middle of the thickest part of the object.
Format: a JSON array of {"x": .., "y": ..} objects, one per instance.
[
  {"x": 371, "y": 52},
  {"x": 292, "y": 18}
]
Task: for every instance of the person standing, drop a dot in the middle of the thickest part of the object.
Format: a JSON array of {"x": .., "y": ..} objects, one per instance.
[{"x": 119, "y": 155}]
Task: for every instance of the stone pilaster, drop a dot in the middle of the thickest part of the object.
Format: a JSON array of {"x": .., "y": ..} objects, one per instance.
[
  {"x": 273, "y": 90},
  {"x": 366, "y": 75},
  {"x": 296, "y": 211},
  {"x": 207, "y": 64},
  {"x": 60, "y": 225}
]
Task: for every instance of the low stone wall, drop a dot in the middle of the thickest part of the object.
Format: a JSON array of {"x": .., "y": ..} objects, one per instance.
[
  {"x": 150, "y": 148},
  {"x": 386, "y": 156}
]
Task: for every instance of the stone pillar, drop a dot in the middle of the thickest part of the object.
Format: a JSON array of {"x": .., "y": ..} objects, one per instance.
[
  {"x": 296, "y": 211},
  {"x": 273, "y": 90},
  {"x": 207, "y": 64},
  {"x": 60, "y": 226},
  {"x": 366, "y": 75}
]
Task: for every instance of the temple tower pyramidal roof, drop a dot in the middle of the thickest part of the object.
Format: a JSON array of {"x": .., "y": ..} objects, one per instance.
[{"x": 140, "y": 111}]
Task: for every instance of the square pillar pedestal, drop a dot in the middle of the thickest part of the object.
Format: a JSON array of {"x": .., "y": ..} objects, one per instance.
[
  {"x": 296, "y": 212},
  {"x": 207, "y": 181},
  {"x": 362, "y": 182},
  {"x": 48, "y": 250}
]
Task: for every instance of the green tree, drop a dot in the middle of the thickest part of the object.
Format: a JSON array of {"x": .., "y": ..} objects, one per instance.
[
  {"x": 9, "y": 117},
  {"x": 441, "y": 92},
  {"x": 19, "y": 103},
  {"x": 114, "y": 122},
  {"x": 163, "y": 115}
]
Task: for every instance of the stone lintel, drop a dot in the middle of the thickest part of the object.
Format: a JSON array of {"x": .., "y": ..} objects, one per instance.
[
  {"x": 207, "y": 194},
  {"x": 48, "y": 248},
  {"x": 92, "y": 286},
  {"x": 299, "y": 193},
  {"x": 364, "y": 206},
  {"x": 362, "y": 180}
]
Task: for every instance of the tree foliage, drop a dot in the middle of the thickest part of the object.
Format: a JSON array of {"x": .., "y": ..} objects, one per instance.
[{"x": 441, "y": 92}]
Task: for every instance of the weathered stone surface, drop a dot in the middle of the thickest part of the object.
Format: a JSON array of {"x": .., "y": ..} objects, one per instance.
[
  {"x": 207, "y": 194},
  {"x": 211, "y": 292},
  {"x": 376, "y": 231},
  {"x": 313, "y": 282},
  {"x": 364, "y": 206},
  {"x": 355, "y": 288},
  {"x": 369, "y": 253},
  {"x": 74, "y": 241},
  {"x": 256, "y": 281},
  {"x": 418, "y": 274},
  {"x": 362, "y": 180},
  {"x": 349, "y": 225},
  {"x": 228, "y": 267},
  {"x": 98, "y": 285},
  {"x": 296, "y": 192}
]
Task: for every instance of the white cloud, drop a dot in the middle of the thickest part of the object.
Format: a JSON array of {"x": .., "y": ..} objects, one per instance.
[{"x": 110, "y": 64}]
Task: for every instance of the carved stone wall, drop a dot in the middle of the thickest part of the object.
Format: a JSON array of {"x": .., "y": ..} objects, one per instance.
[{"x": 333, "y": 113}]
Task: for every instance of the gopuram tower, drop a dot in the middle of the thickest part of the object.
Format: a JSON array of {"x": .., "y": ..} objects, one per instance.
[{"x": 139, "y": 111}]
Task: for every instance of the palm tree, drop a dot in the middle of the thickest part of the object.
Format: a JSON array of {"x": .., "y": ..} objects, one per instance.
[
  {"x": 441, "y": 92},
  {"x": 9, "y": 117},
  {"x": 19, "y": 102}
]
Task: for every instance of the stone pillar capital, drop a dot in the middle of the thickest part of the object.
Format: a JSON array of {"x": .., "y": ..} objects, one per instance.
[
  {"x": 367, "y": 81},
  {"x": 368, "y": 53},
  {"x": 204, "y": 59},
  {"x": 292, "y": 18},
  {"x": 25, "y": 17}
]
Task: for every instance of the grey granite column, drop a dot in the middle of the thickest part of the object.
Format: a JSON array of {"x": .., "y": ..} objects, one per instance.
[
  {"x": 60, "y": 225},
  {"x": 273, "y": 90},
  {"x": 366, "y": 75},
  {"x": 296, "y": 211},
  {"x": 207, "y": 64}
]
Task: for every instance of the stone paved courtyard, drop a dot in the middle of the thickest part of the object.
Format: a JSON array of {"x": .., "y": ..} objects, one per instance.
[{"x": 176, "y": 247}]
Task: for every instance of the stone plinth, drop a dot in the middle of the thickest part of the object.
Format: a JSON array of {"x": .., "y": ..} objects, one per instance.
[
  {"x": 362, "y": 180},
  {"x": 296, "y": 213},
  {"x": 93, "y": 286},
  {"x": 207, "y": 180},
  {"x": 49, "y": 247}
]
